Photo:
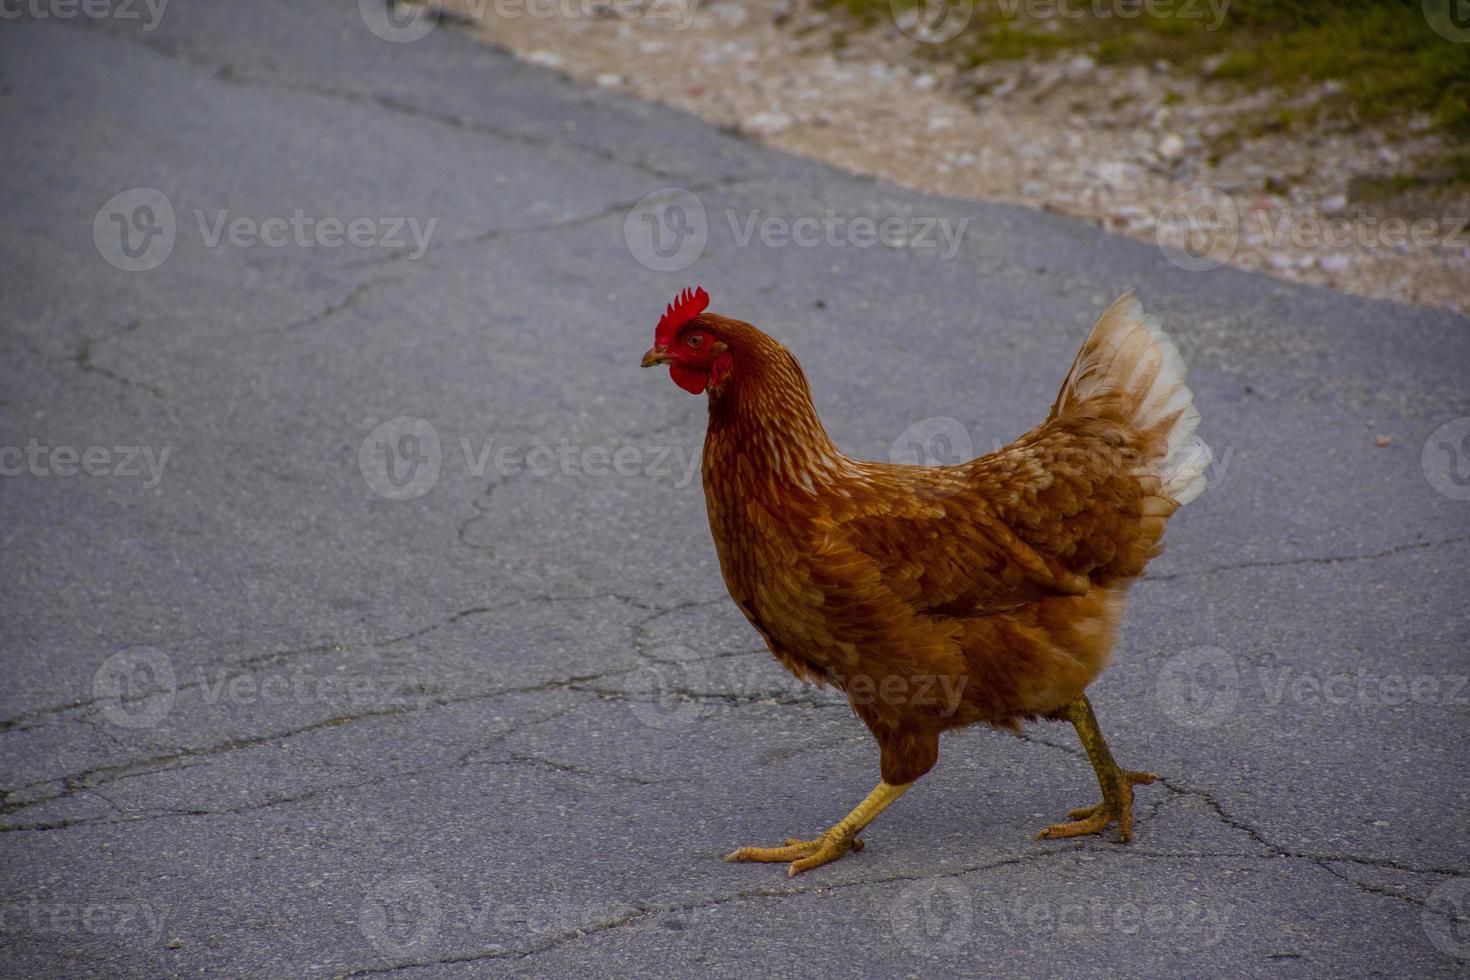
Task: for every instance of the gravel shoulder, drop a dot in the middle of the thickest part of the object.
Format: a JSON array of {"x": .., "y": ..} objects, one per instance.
[{"x": 1154, "y": 153}]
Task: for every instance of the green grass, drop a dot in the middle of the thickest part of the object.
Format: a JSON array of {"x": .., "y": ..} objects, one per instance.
[
  {"x": 1389, "y": 58},
  {"x": 1386, "y": 53}
]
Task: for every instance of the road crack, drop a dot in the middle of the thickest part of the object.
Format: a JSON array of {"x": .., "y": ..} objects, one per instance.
[
  {"x": 1308, "y": 560},
  {"x": 84, "y": 360}
]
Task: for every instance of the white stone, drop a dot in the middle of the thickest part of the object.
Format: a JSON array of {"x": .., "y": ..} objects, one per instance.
[{"x": 767, "y": 123}]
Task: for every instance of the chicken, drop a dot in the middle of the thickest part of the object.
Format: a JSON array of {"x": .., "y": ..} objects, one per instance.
[{"x": 940, "y": 597}]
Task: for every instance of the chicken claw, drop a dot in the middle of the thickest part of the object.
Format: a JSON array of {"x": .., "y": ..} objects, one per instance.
[
  {"x": 803, "y": 854},
  {"x": 837, "y": 841},
  {"x": 1096, "y": 818}
]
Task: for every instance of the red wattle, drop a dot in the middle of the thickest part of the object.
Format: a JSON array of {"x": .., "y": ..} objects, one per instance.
[{"x": 689, "y": 379}]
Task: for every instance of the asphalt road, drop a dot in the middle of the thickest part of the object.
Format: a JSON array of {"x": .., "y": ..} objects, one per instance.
[{"x": 361, "y": 614}]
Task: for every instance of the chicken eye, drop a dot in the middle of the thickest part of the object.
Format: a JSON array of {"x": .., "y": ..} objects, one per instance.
[{"x": 695, "y": 340}]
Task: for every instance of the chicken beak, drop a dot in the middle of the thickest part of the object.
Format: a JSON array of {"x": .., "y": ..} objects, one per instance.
[{"x": 655, "y": 356}]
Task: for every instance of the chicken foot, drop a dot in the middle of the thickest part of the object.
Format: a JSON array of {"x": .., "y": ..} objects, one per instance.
[
  {"x": 837, "y": 841},
  {"x": 1116, "y": 783}
]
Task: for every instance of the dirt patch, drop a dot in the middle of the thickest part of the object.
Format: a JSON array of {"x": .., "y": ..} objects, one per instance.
[{"x": 1205, "y": 167}]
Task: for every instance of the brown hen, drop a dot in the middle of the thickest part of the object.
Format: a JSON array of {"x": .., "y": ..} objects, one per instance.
[{"x": 939, "y": 597}]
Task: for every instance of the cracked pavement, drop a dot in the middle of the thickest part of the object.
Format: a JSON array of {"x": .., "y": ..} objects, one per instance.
[{"x": 261, "y": 720}]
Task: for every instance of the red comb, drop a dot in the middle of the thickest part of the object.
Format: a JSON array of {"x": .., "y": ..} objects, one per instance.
[{"x": 685, "y": 307}]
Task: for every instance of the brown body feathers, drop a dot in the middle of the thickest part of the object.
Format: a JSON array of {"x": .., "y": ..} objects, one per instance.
[{"x": 939, "y": 597}]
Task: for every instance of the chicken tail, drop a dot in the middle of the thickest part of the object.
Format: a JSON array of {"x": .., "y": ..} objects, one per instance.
[{"x": 1130, "y": 371}]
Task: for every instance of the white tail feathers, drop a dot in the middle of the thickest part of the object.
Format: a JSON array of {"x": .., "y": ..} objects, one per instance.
[{"x": 1129, "y": 370}]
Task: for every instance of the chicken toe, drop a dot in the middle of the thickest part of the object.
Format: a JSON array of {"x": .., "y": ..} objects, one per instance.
[
  {"x": 837, "y": 841},
  {"x": 803, "y": 854},
  {"x": 1096, "y": 818}
]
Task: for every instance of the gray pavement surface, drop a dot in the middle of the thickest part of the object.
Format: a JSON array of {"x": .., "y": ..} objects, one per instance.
[{"x": 262, "y": 718}]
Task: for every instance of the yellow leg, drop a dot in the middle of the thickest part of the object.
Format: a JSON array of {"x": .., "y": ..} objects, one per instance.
[
  {"x": 1116, "y": 783},
  {"x": 837, "y": 841}
]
